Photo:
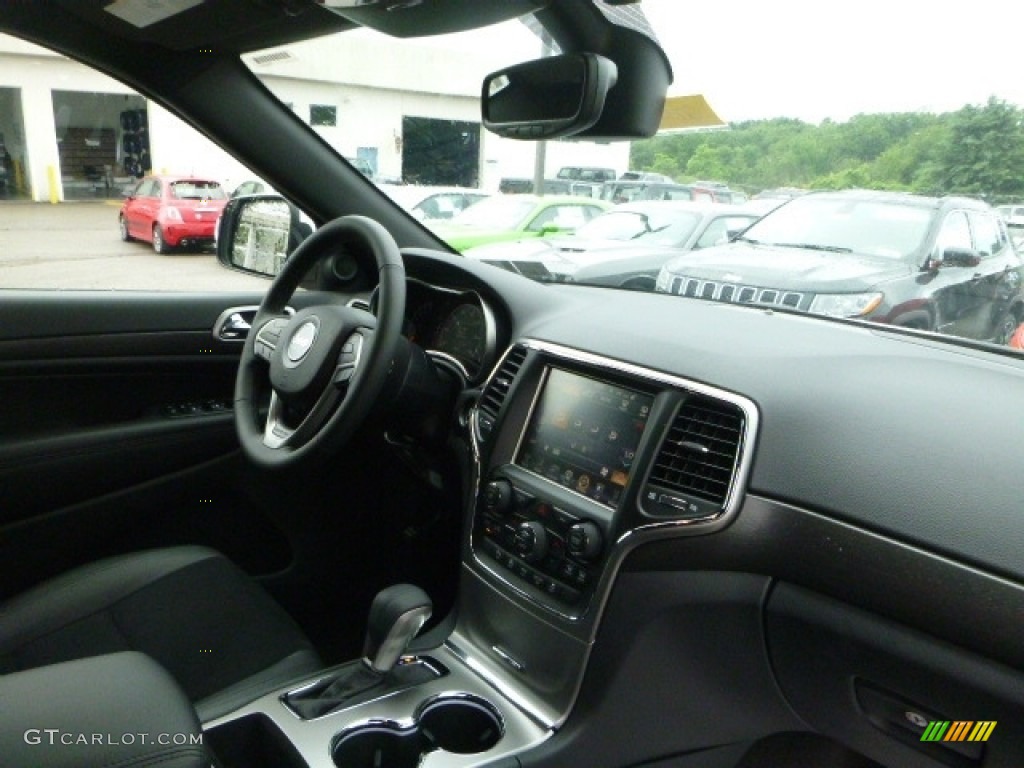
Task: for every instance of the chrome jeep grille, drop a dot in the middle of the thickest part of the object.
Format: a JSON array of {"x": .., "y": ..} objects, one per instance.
[{"x": 695, "y": 288}]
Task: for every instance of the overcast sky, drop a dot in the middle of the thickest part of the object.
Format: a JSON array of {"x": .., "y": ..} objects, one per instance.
[
  {"x": 813, "y": 59},
  {"x": 817, "y": 59}
]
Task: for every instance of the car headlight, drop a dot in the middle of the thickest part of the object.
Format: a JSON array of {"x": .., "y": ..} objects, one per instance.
[
  {"x": 845, "y": 304},
  {"x": 664, "y": 281}
]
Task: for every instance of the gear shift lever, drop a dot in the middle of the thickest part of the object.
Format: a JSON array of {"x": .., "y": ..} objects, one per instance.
[{"x": 396, "y": 615}]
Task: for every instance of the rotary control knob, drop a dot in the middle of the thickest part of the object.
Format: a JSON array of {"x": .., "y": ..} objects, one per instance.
[
  {"x": 497, "y": 497},
  {"x": 584, "y": 540},
  {"x": 532, "y": 541}
]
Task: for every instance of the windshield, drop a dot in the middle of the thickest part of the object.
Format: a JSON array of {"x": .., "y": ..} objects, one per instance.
[
  {"x": 654, "y": 228},
  {"x": 197, "y": 190},
  {"x": 913, "y": 184},
  {"x": 889, "y": 230},
  {"x": 360, "y": 424},
  {"x": 495, "y": 213}
]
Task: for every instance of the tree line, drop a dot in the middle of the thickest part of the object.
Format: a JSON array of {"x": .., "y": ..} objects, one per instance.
[{"x": 977, "y": 151}]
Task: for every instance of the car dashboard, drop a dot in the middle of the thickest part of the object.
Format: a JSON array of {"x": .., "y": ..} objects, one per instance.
[
  {"x": 687, "y": 527},
  {"x": 763, "y": 526}
]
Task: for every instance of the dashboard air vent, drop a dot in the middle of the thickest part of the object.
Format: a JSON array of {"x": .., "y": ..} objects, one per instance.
[
  {"x": 273, "y": 57},
  {"x": 496, "y": 391},
  {"x": 698, "y": 458}
]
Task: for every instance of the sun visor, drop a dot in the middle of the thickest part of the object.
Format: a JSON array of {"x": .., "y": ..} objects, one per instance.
[
  {"x": 419, "y": 18},
  {"x": 689, "y": 113}
]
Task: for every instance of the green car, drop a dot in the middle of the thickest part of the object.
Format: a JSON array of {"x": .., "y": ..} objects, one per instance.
[{"x": 513, "y": 217}]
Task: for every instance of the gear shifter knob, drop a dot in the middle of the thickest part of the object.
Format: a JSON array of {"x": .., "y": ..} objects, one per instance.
[{"x": 396, "y": 615}]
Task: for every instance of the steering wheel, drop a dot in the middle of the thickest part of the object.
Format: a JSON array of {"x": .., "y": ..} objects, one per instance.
[{"x": 326, "y": 365}]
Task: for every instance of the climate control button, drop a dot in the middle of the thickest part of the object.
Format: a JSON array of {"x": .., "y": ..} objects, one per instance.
[
  {"x": 584, "y": 540},
  {"x": 498, "y": 497},
  {"x": 531, "y": 541}
]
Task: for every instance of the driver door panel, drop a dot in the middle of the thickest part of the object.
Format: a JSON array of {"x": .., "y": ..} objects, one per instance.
[{"x": 118, "y": 433}]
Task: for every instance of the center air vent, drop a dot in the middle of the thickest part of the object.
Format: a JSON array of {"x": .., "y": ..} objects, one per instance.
[
  {"x": 694, "y": 470},
  {"x": 496, "y": 391},
  {"x": 272, "y": 58}
]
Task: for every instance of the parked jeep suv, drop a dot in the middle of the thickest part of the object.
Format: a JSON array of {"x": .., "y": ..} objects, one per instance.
[{"x": 935, "y": 264}]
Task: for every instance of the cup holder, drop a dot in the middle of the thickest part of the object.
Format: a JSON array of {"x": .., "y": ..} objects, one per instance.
[
  {"x": 460, "y": 723},
  {"x": 378, "y": 745},
  {"x": 463, "y": 724}
]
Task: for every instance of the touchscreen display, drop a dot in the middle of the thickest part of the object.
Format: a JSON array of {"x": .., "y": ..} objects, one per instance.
[{"x": 583, "y": 434}]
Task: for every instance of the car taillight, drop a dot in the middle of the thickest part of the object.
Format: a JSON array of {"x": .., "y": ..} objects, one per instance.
[{"x": 173, "y": 214}]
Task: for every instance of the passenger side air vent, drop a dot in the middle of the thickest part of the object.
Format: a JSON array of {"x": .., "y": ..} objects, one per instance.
[
  {"x": 496, "y": 391},
  {"x": 693, "y": 472}
]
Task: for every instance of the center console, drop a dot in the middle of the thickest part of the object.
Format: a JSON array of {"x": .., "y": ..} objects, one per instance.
[
  {"x": 580, "y": 459},
  {"x": 582, "y": 437},
  {"x": 576, "y": 460},
  {"x": 451, "y": 718}
]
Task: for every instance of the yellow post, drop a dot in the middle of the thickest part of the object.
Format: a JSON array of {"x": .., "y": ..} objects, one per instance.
[
  {"x": 19, "y": 177},
  {"x": 51, "y": 178}
]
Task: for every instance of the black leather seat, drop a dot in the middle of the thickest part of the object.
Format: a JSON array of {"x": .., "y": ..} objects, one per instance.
[{"x": 215, "y": 630}]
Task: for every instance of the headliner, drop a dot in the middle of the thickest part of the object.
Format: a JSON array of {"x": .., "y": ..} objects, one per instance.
[{"x": 240, "y": 26}]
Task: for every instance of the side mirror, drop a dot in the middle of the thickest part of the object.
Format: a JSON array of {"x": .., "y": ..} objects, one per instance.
[
  {"x": 956, "y": 257},
  {"x": 547, "y": 98},
  {"x": 257, "y": 233},
  {"x": 554, "y": 229}
]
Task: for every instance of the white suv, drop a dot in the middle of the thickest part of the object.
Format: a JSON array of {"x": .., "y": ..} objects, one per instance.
[{"x": 1012, "y": 214}]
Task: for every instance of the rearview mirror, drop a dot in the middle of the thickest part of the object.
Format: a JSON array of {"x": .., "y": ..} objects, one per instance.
[{"x": 549, "y": 97}]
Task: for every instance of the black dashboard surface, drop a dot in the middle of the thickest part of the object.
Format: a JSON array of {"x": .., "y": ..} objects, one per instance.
[{"x": 897, "y": 433}]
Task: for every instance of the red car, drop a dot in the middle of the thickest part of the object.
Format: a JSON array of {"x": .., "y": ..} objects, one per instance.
[
  {"x": 172, "y": 211},
  {"x": 1017, "y": 339}
]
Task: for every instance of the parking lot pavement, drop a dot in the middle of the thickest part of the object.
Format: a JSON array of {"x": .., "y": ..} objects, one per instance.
[{"x": 77, "y": 246}]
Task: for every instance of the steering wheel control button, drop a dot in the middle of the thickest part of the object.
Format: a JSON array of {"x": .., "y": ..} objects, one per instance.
[
  {"x": 348, "y": 360},
  {"x": 270, "y": 333},
  {"x": 268, "y": 337}
]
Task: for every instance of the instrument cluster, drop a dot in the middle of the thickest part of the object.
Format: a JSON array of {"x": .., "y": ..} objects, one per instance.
[{"x": 455, "y": 325}]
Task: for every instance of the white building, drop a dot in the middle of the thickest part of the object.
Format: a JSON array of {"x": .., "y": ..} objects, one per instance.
[{"x": 69, "y": 132}]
